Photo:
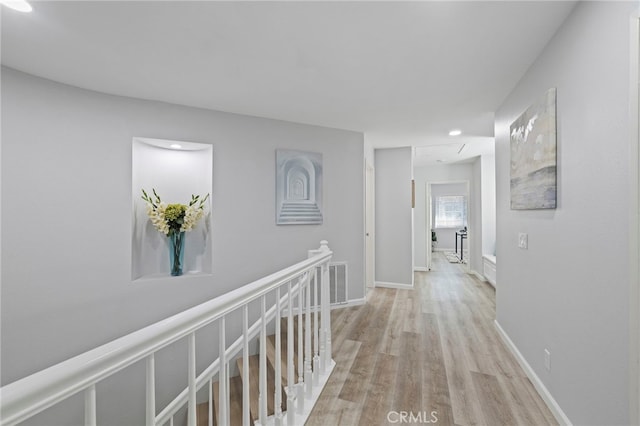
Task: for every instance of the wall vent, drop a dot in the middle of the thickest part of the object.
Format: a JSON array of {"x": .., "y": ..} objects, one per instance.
[{"x": 338, "y": 283}]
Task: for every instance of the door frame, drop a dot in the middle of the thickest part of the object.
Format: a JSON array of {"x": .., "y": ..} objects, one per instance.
[
  {"x": 369, "y": 228},
  {"x": 427, "y": 225},
  {"x": 470, "y": 228},
  {"x": 634, "y": 219}
]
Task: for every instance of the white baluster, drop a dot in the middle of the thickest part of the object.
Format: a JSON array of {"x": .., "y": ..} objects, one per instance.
[
  {"x": 335, "y": 284},
  {"x": 223, "y": 397},
  {"x": 278, "y": 349},
  {"x": 191, "y": 417},
  {"x": 326, "y": 313},
  {"x": 290, "y": 360},
  {"x": 308, "y": 380},
  {"x": 316, "y": 362},
  {"x": 263, "y": 363},
  {"x": 246, "y": 419},
  {"x": 151, "y": 391},
  {"x": 300, "y": 387},
  {"x": 90, "y": 413},
  {"x": 323, "y": 334},
  {"x": 210, "y": 411},
  {"x": 171, "y": 421}
]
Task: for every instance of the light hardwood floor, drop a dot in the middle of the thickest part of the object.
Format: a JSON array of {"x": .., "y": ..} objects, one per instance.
[{"x": 431, "y": 352}]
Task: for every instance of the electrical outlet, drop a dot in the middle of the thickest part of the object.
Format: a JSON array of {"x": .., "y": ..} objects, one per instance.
[
  {"x": 547, "y": 359},
  {"x": 523, "y": 241}
]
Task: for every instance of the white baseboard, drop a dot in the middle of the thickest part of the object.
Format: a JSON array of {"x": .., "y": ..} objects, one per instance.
[
  {"x": 352, "y": 302},
  {"x": 555, "y": 409},
  {"x": 420, "y": 269},
  {"x": 478, "y": 275},
  {"x": 393, "y": 285}
]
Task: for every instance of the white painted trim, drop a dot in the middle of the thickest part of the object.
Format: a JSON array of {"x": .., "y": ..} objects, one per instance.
[
  {"x": 443, "y": 249},
  {"x": 479, "y": 276},
  {"x": 353, "y": 302},
  {"x": 420, "y": 269},
  {"x": 369, "y": 170},
  {"x": 634, "y": 218},
  {"x": 393, "y": 285},
  {"x": 554, "y": 407},
  {"x": 428, "y": 243},
  {"x": 310, "y": 401},
  {"x": 413, "y": 226}
]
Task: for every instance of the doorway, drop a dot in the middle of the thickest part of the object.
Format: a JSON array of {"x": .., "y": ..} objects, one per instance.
[{"x": 447, "y": 221}]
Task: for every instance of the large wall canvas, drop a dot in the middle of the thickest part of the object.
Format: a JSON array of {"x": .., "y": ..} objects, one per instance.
[
  {"x": 533, "y": 156},
  {"x": 298, "y": 187}
]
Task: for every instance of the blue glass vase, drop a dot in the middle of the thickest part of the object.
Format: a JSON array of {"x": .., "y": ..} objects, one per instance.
[{"x": 176, "y": 252}]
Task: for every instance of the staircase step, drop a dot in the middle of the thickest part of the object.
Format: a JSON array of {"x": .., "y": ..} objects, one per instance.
[
  {"x": 235, "y": 404},
  {"x": 300, "y": 206},
  {"x": 235, "y": 383},
  {"x": 271, "y": 341},
  {"x": 254, "y": 386},
  {"x": 271, "y": 357}
]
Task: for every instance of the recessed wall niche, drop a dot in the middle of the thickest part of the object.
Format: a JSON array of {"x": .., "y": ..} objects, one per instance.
[{"x": 176, "y": 170}]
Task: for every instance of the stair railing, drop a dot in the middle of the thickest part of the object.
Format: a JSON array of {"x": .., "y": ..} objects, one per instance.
[{"x": 27, "y": 397}]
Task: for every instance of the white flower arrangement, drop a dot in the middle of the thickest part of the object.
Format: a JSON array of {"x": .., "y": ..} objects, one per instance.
[{"x": 174, "y": 218}]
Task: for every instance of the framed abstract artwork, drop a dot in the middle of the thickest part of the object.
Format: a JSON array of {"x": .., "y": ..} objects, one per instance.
[
  {"x": 298, "y": 187},
  {"x": 533, "y": 156}
]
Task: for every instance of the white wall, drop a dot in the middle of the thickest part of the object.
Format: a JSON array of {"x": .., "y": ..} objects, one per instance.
[
  {"x": 476, "y": 237},
  {"x": 67, "y": 228},
  {"x": 394, "y": 249},
  {"x": 488, "y": 183},
  {"x": 434, "y": 174},
  {"x": 569, "y": 292}
]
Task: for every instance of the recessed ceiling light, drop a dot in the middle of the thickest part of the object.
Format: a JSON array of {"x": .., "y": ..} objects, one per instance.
[
  {"x": 19, "y": 5},
  {"x": 175, "y": 146},
  {"x": 455, "y": 132}
]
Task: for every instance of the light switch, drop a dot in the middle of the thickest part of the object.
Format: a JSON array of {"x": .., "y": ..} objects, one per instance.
[{"x": 523, "y": 241}]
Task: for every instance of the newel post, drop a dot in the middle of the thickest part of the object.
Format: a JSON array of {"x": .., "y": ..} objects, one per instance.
[{"x": 325, "y": 308}]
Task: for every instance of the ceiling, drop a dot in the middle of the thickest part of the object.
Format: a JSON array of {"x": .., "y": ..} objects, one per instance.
[{"x": 404, "y": 73}]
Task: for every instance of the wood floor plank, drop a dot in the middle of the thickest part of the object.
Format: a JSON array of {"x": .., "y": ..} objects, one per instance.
[
  {"x": 340, "y": 412},
  {"x": 360, "y": 374},
  {"x": 524, "y": 408},
  {"x": 330, "y": 395},
  {"x": 390, "y": 343},
  {"x": 435, "y": 388},
  {"x": 536, "y": 399},
  {"x": 434, "y": 348},
  {"x": 379, "y": 398},
  {"x": 341, "y": 326},
  {"x": 492, "y": 400},
  {"x": 408, "y": 389},
  {"x": 464, "y": 401},
  {"x": 412, "y": 311}
]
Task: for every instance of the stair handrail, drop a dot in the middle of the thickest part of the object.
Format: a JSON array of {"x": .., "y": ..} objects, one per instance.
[
  {"x": 232, "y": 351},
  {"x": 29, "y": 396}
]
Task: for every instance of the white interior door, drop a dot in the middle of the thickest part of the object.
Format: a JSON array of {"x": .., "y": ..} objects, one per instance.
[{"x": 369, "y": 227}]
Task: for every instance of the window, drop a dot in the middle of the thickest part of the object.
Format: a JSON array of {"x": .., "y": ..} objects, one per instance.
[{"x": 450, "y": 211}]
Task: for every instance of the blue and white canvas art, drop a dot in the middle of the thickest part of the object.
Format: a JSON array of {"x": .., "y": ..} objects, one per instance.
[
  {"x": 533, "y": 156},
  {"x": 298, "y": 187}
]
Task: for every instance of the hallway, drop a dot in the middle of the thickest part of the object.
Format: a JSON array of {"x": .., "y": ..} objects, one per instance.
[{"x": 432, "y": 353}]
